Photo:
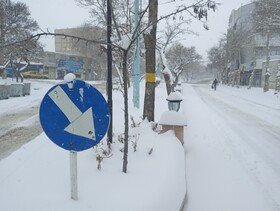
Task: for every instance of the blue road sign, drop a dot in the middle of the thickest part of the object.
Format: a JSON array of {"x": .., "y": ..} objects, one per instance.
[{"x": 75, "y": 118}]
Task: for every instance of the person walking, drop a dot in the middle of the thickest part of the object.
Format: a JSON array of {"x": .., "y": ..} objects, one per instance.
[{"x": 214, "y": 84}]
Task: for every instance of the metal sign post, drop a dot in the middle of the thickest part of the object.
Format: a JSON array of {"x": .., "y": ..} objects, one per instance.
[{"x": 73, "y": 175}]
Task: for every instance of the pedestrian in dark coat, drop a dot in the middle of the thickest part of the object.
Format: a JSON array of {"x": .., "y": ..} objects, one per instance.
[{"x": 214, "y": 84}]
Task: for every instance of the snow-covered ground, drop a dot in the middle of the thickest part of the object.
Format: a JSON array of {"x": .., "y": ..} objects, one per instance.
[
  {"x": 231, "y": 156},
  {"x": 232, "y": 149},
  {"x": 37, "y": 176}
]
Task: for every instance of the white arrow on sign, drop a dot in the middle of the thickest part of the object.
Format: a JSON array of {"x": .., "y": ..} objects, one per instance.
[{"x": 81, "y": 124}]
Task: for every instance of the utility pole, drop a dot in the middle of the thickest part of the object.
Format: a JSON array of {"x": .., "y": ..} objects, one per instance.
[
  {"x": 267, "y": 72},
  {"x": 109, "y": 70}
]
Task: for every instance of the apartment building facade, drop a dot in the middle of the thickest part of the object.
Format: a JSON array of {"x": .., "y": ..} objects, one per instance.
[{"x": 252, "y": 50}]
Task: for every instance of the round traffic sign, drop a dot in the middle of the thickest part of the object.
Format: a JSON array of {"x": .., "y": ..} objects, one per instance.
[{"x": 74, "y": 115}]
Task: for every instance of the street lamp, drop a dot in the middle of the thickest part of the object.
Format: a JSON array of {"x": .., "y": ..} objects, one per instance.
[{"x": 174, "y": 100}]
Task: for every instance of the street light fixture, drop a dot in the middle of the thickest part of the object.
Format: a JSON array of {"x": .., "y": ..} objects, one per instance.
[{"x": 174, "y": 100}]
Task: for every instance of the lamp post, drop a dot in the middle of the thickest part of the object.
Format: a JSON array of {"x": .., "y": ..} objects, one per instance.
[
  {"x": 174, "y": 100},
  {"x": 172, "y": 119}
]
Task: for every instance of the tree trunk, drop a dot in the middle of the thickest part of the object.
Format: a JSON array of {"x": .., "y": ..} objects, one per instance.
[
  {"x": 266, "y": 82},
  {"x": 4, "y": 76},
  {"x": 167, "y": 82},
  {"x": 125, "y": 152},
  {"x": 2, "y": 63},
  {"x": 150, "y": 45},
  {"x": 267, "y": 73}
]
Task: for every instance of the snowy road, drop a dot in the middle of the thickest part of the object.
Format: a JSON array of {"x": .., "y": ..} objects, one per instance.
[
  {"x": 18, "y": 128},
  {"x": 19, "y": 123},
  {"x": 233, "y": 157}
]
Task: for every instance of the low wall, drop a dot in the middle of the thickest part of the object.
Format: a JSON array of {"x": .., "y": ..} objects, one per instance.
[
  {"x": 26, "y": 88},
  {"x": 14, "y": 90}
]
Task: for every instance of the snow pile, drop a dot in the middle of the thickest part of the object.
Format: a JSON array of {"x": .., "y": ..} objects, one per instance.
[
  {"x": 175, "y": 96},
  {"x": 37, "y": 177},
  {"x": 173, "y": 118}
]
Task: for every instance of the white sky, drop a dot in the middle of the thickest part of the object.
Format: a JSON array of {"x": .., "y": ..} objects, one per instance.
[{"x": 53, "y": 14}]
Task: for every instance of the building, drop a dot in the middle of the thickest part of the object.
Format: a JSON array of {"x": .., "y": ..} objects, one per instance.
[
  {"x": 250, "y": 50},
  {"x": 59, "y": 64},
  {"x": 76, "y": 52}
]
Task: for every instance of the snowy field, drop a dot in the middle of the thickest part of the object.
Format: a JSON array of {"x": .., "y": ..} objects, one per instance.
[{"x": 231, "y": 157}]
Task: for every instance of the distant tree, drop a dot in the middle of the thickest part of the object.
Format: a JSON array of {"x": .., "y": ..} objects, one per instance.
[
  {"x": 237, "y": 40},
  {"x": 15, "y": 25},
  {"x": 172, "y": 34},
  {"x": 26, "y": 52},
  {"x": 181, "y": 61},
  {"x": 198, "y": 73},
  {"x": 217, "y": 56}
]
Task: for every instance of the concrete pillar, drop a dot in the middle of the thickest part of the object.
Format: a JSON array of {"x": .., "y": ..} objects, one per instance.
[
  {"x": 4, "y": 91},
  {"x": 176, "y": 121},
  {"x": 26, "y": 88},
  {"x": 178, "y": 130},
  {"x": 16, "y": 90}
]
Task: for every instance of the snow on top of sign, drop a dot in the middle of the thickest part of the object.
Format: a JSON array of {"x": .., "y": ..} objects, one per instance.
[{"x": 69, "y": 77}]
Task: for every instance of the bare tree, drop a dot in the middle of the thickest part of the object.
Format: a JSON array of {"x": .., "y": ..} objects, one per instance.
[
  {"x": 27, "y": 51},
  {"x": 171, "y": 35},
  {"x": 217, "y": 56},
  {"x": 122, "y": 25},
  {"x": 181, "y": 60},
  {"x": 15, "y": 25}
]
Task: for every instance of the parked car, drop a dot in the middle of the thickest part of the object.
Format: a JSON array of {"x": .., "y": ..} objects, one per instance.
[{"x": 34, "y": 74}]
